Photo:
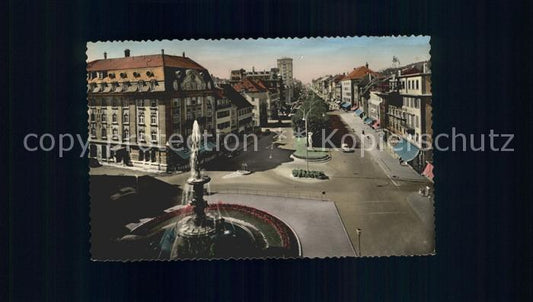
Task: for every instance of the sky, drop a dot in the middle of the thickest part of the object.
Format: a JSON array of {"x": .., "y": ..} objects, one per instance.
[{"x": 312, "y": 57}]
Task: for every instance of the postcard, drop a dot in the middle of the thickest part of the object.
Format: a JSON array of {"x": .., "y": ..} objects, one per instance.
[{"x": 260, "y": 148}]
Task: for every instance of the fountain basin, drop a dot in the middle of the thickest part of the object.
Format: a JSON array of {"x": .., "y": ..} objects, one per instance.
[{"x": 232, "y": 231}]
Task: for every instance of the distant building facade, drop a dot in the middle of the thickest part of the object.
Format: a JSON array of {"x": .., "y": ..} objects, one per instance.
[{"x": 285, "y": 68}]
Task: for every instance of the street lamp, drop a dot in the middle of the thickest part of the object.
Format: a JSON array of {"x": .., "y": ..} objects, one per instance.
[{"x": 358, "y": 232}]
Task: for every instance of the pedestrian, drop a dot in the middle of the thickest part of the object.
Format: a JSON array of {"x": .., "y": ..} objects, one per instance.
[
  {"x": 363, "y": 131},
  {"x": 400, "y": 160}
]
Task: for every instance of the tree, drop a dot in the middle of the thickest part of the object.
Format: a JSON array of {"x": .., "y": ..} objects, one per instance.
[{"x": 315, "y": 110}]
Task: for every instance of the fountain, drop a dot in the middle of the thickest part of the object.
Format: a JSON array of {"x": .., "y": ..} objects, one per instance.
[
  {"x": 220, "y": 230},
  {"x": 194, "y": 232}
]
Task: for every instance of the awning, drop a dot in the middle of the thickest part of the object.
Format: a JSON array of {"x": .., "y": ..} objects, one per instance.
[
  {"x": 186, "y": 153},
  {"x": 346, "y": 105},
  {"x": 183, "y": 153},
  {"x": 405, "y": 150},
  {"x": 368, "y": 121},
  {"x": 428, "y": 171},
  {"x": 209, "y": 146},
  {"x": 117, "y": 148},
  {"x": 358, "y": 112}
]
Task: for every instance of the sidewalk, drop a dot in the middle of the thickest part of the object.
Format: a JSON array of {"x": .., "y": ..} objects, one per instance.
[
  {"x": 423, "y": 207},
  {"x": 390, "y": 165}
]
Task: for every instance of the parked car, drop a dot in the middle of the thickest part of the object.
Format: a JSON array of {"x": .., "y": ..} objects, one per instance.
[
  {"x": 126, "y": 191},
  {"x": 346, "y": 148},
  {"x": 231, "y": 154}
]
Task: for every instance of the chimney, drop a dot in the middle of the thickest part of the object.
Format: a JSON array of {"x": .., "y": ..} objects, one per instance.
[
  {"x": 105, "y": 55},
  {"x": 162, "y": 51},
  {"x": 183, "y": 54},
  {"x": 425, "y": 67},
  {"x": 126, "y": 53},
  {"x": 366, "y": 65}
]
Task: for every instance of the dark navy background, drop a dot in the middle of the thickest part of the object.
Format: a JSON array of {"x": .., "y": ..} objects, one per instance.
[{"x": 481, "y": 80}]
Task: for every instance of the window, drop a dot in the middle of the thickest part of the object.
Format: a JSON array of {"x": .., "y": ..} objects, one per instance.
[
  {"x": 154, "y": 136},
  {"x": 222, "y": 114},
  {"x": 417, "y": 122},
  {"x": 104, "y": 132},
  {"x": 153, "y": 103},
  {"x": 126, "y": 117},
  {"x": 140, "y": 103},
  {"x": 114, "y": 117},
  {"x": 416, "y": 84},
  {"x": 126, "y": 134},
  {"x": 417, "y": 103},
  {"x": 115, "y": 133},
  {"x": 104, "y": 117},
  {"x": 141, "y": 135},
  {"x": 141, "y": 117},
  {"x": 153, "y": 119},
  {"x": 93, "y": 132},
  {"x": 93, "y": 117}
]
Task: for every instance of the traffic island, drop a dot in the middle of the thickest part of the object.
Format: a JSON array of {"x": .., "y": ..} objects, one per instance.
[{"x": 310, "y": 154}]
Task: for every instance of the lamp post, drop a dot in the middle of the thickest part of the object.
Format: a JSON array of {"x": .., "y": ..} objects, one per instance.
[{"x": 358, "y": 232}]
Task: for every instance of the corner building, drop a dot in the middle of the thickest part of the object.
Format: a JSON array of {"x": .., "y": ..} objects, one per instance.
[{"x": 136, "y": 103}]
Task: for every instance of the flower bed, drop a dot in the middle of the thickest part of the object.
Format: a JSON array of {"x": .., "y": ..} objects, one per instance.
[{"x": 301, "y": 173}]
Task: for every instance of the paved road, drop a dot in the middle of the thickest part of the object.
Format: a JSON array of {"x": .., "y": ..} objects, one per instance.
[
  {"x": 365, "y": 196},
  {"x": 317, "y": 223},
  {"x": 390, "y": 165}
]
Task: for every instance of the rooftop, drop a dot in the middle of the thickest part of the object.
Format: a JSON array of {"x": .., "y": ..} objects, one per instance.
[
  {"x": 359, "y": 73},
  {"x": 236, "y": 98},
  {"x": 146, "y": 61}
]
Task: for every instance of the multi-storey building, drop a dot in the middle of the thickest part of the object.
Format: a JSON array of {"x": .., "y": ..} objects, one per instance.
[
  {"x": 350, "y": 85},
  {"x": 265, "y": 75},
  {"x": 137, "y": 102},
  {"x": 374, "y": 109},
  {"x": 233, "y": 111},
  {"x": 286, "y": 71},
  {"x": 336, "y": 87},
  {"x": 241, "y": 111},
  {"x": 262, "y": 97},
  {"x": 408, "y": 108}
]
